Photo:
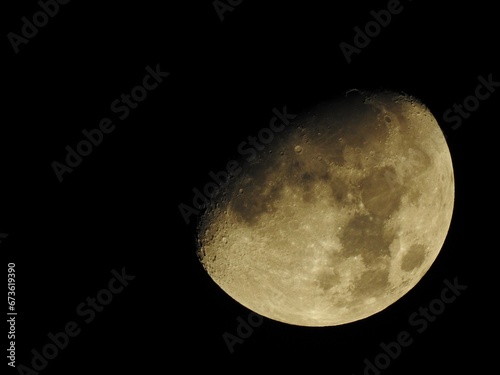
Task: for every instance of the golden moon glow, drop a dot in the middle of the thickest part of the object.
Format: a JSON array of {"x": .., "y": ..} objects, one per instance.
[{"x": 341, "y": 219}]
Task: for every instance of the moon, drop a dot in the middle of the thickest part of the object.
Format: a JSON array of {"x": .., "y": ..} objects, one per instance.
[{"x": 339, "y": 217}]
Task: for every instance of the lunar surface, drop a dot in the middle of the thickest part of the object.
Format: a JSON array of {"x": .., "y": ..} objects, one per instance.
[{"x": 339, "y": 217}]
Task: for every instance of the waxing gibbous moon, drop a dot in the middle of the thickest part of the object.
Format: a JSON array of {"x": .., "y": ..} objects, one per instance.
[{"x": 339, "y": 217}]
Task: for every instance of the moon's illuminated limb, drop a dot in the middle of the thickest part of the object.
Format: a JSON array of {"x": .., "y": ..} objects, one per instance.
[{"x": 342, "y": 219}]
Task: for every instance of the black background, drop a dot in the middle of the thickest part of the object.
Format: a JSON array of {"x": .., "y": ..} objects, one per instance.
[{"x": 119, "y": 208}]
